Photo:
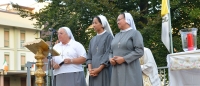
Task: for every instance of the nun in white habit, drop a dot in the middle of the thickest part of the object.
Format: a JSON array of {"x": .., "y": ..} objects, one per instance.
[
  {"x": 68, "y": 70},
  {"x": 126, "y": 49},
  {"x": 98, "y": 53}
]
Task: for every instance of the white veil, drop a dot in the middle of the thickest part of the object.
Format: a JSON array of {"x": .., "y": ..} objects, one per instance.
[
  {"x": 129, "y": 20},
  {"x": 105, "y": 24},
  {"x": 68, "y": 31}
]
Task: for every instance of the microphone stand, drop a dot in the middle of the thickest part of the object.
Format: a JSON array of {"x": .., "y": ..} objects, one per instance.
[{"x": 49, "y": 72}]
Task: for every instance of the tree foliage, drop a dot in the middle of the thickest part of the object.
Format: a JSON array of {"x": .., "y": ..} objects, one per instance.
[{"x": 78, "y": 15}]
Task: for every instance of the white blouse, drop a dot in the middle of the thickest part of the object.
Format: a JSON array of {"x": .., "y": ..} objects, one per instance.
[{"x": 71, "y": 50}]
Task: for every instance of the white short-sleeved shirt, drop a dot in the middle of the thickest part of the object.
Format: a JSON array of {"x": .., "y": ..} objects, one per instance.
[{"x": 71, "y": 50}]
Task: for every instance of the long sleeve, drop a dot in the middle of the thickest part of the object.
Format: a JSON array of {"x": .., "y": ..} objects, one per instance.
[
  {"x": 138, "y": 48},
  {"x": 110, "y": 53},
  {"x": 105, "y": 59},
  {"x": 89, "y": 55}
]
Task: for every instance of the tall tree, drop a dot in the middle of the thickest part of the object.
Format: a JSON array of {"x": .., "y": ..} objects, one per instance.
[{"x": 78, "y": 15}]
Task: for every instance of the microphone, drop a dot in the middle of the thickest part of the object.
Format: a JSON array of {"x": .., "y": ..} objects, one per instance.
[{"x": 52, "y": 30}]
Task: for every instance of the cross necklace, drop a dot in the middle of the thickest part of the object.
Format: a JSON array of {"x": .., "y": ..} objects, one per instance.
[
  {"x": 97, "y": 42},
  {"x": 121, "y": 36},
  {"x": 62, "y": 54}
]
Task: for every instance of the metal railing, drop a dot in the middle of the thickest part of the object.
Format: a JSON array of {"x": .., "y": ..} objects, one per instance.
[
  {"x": 162, "y": 71},
  {"x": 163, "y": 74}
]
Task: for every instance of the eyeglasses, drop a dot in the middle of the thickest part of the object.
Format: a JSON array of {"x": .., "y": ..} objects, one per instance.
[{"x": 119, "y": 19}]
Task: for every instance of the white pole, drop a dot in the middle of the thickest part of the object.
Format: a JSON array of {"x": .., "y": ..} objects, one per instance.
[{"x": 170, "y": 28}]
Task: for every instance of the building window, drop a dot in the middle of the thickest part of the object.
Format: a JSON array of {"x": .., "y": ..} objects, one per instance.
[
  {"x": 6, "y": 37},
  {"x": 23, "y": 61},
  {"x": 22, "y": 38},
  {"x": 7, "y": 58}
]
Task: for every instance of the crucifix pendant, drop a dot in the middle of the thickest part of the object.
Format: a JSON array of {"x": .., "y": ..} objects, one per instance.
[{"x": 118, "y": 44}]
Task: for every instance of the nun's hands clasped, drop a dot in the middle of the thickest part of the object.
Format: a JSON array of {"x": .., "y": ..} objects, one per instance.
[
  {"x": 119, "y": 59},
  {"x": 112, "y": 61},
  {"x": 94, "y": 72}
]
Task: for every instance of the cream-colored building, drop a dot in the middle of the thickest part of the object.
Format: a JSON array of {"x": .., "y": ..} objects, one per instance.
[{"x": 14, "y": 31}]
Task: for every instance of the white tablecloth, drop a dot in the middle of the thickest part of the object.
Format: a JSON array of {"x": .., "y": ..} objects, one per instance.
[{"x": 184, "y": 68}]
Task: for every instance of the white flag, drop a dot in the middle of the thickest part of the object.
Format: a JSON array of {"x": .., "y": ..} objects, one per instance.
[{"x": 165, "y": 36}]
